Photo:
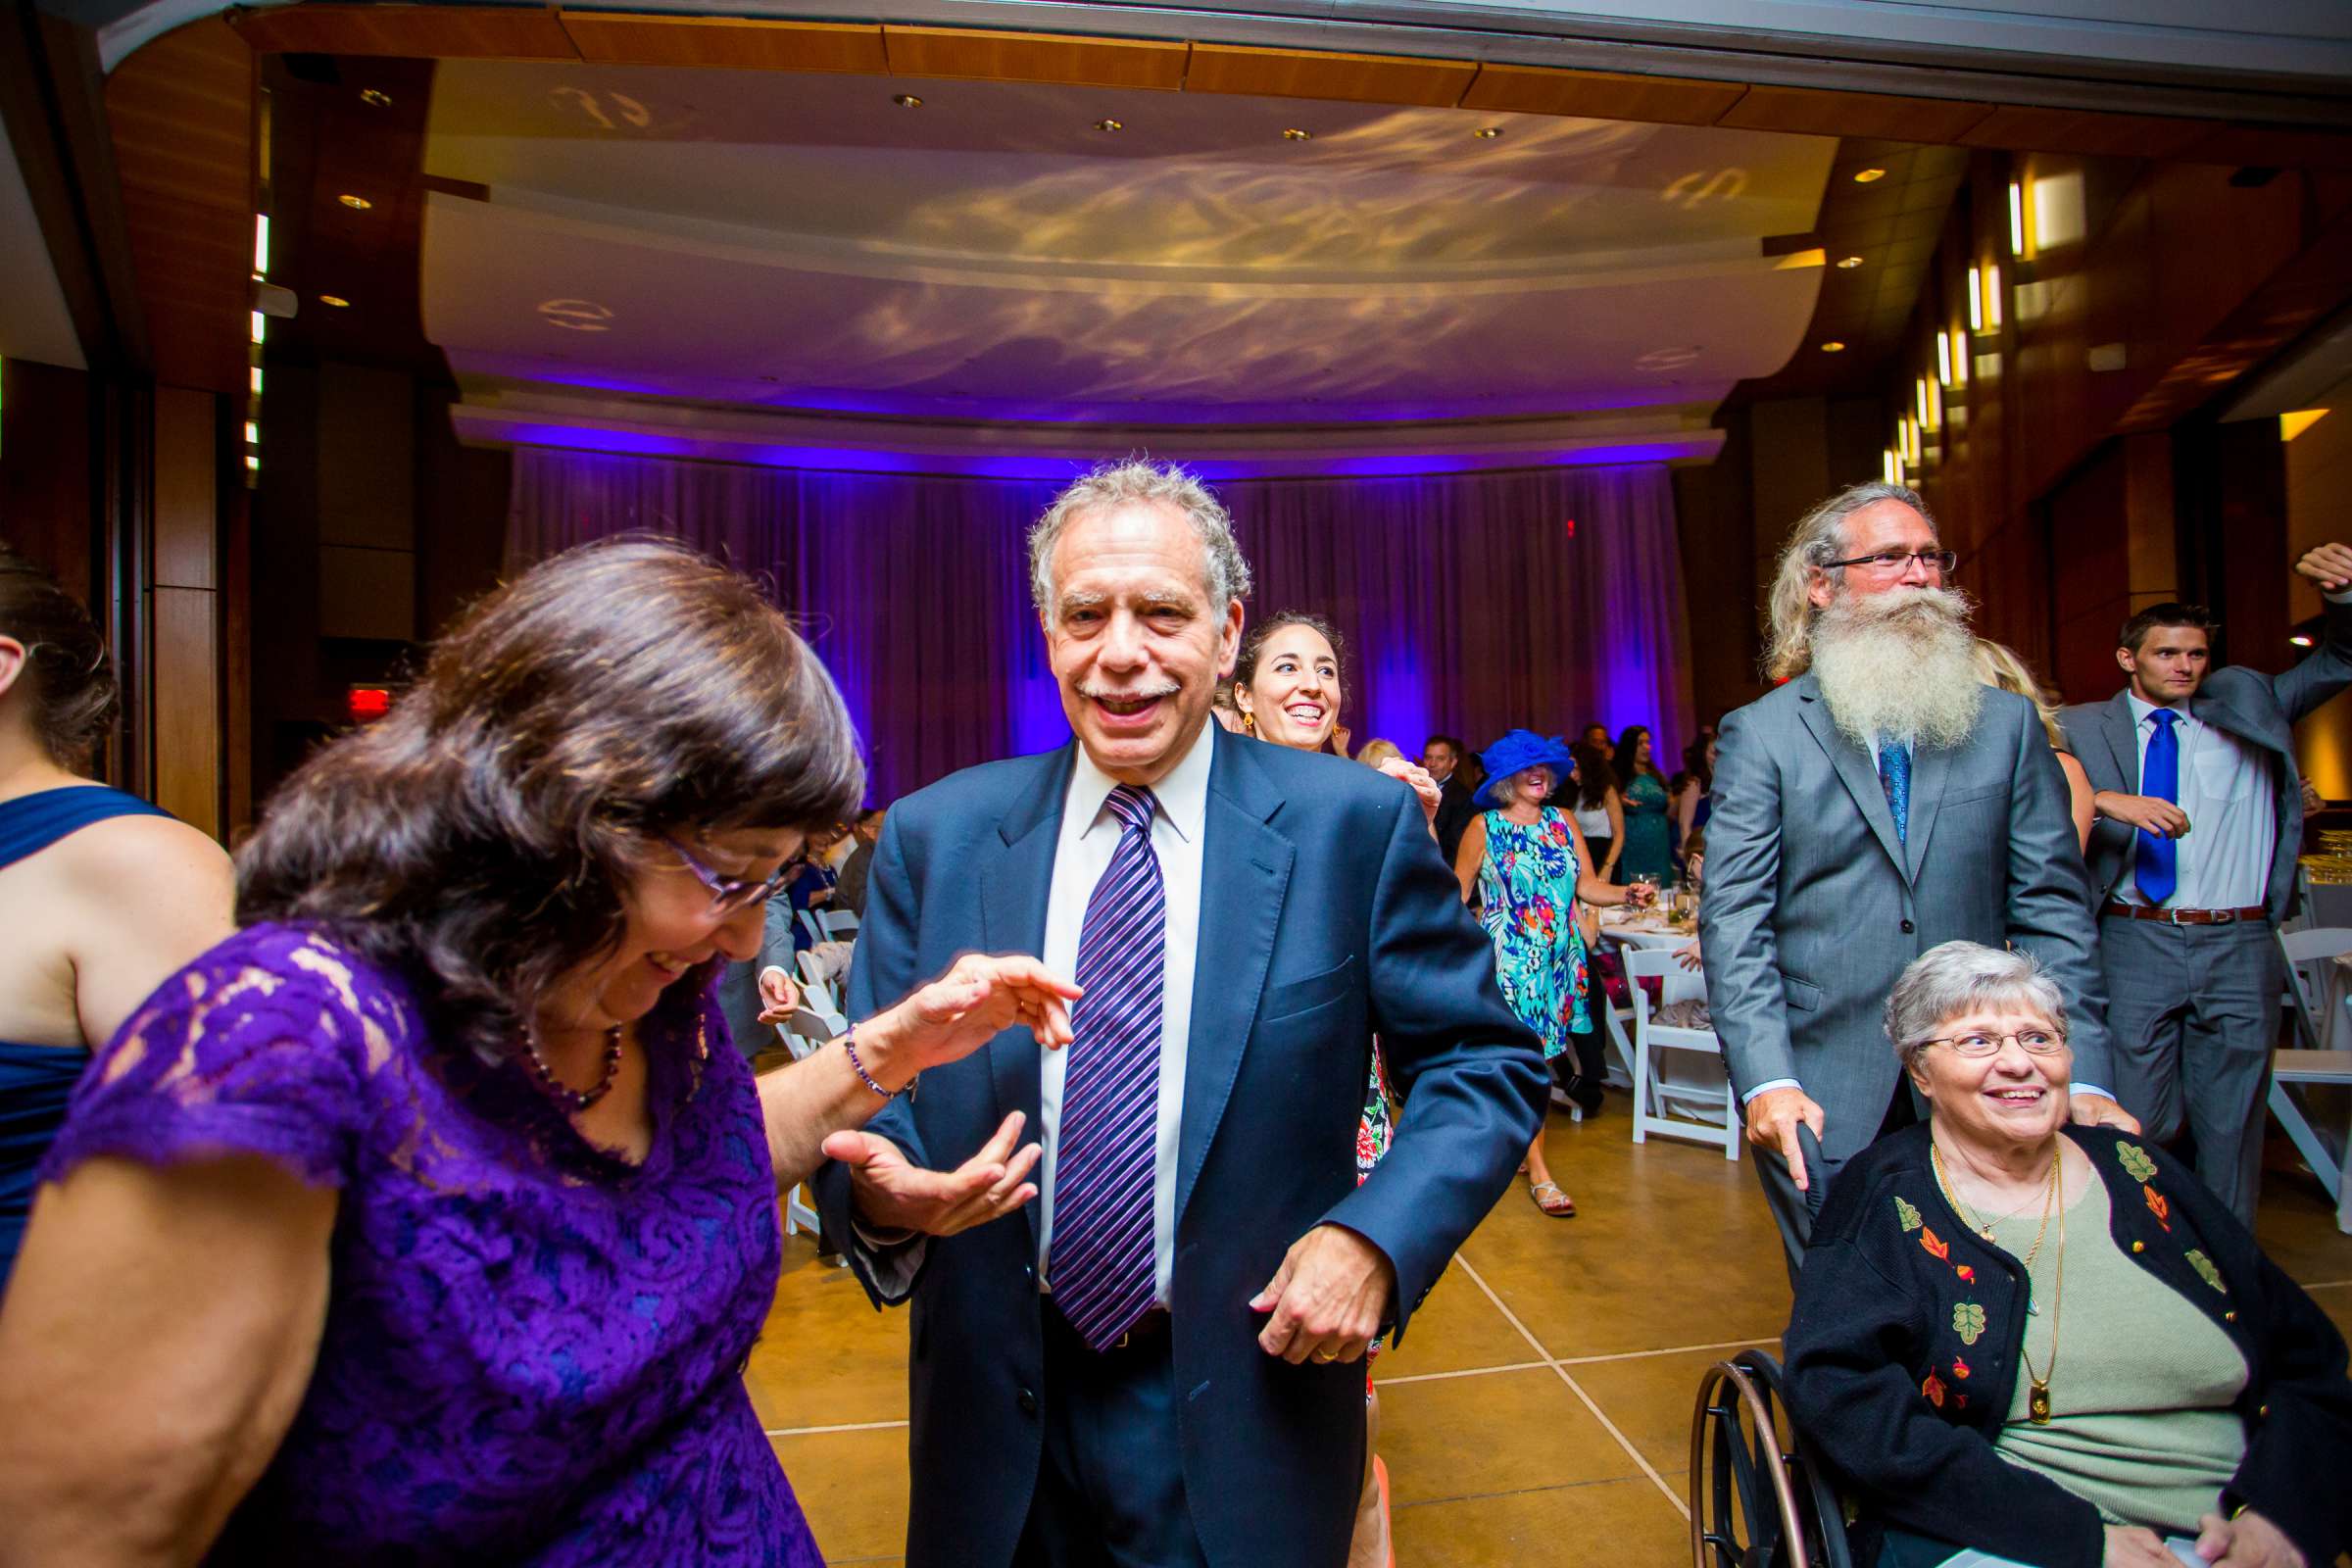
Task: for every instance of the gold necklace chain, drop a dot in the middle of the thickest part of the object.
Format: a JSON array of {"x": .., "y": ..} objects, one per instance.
[
  {"x": 1984, "y": 1227},
  {"x": 2038, "y": 1397},
  {"x": 2037, "y": 1393}
]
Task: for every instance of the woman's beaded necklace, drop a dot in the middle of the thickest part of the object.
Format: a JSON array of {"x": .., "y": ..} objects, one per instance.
[{"x": 574, "y": 1101}]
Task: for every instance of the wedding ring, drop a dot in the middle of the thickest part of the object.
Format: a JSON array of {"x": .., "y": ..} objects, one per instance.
[{"x": 1327, "y": 1356}]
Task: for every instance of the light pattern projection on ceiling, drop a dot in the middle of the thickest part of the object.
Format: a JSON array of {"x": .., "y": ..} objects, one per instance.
[{"x": 804, "y": 243}]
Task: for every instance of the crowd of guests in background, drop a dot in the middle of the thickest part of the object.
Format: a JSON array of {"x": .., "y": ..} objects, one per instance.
[{"x": 420, "y": 1202}]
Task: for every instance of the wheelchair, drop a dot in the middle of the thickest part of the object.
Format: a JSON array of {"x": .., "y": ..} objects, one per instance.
[{"x": 1759, "y": 1498}]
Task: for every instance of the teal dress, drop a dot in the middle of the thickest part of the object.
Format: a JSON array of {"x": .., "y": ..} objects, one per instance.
[
  {"x": 1527, "y": 886},
  {"x": 1648, "y": 843}
]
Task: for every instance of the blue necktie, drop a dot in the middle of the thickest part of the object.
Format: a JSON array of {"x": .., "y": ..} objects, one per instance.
[
  {"x": 1104, "y": 1157},
  {"x": 1894, "y": 777},
  {"x": 2155, "y": 868}
]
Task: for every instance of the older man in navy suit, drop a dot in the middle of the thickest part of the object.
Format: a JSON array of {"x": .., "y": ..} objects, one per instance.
[{"x": 1155, "y": 1363}]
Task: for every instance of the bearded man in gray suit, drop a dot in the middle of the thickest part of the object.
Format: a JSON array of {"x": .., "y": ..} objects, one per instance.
[
  {"x": 2193, "y": 856},
  {"x": 1881, "y": 802}
]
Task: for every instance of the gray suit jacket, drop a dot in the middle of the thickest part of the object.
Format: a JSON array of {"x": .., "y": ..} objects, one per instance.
[
  {"x": 1812, "y": 906},
  {"x": 2258, "y": 709}
]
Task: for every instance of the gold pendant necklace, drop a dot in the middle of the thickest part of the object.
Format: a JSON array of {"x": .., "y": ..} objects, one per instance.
[{"x": 2037, "y": 1393}]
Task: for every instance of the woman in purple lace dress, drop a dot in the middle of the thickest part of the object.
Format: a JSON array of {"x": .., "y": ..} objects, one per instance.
[{"x": 431, "y": 1218}]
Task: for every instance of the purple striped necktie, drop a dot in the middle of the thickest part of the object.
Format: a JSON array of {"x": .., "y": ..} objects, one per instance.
[{"x": 1104, "y": 1157}]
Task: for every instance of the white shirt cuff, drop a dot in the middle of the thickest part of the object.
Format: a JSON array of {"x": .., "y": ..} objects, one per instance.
[
  {"x": 2073, "y": 1089},
  {"x": 1770, "y": 1084},
  {"x": 892, "y": 1265},
  {"x": 2342, "y": 596}
]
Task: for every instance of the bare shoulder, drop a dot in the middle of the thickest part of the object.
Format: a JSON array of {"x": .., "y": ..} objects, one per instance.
[{"x": 145, "y": 856}]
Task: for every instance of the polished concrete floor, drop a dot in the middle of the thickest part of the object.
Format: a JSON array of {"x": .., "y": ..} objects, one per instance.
[{"x": 1538, "y": 1414}]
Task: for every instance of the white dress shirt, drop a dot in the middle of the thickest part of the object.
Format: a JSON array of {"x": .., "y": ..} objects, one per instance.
[
  {"x": 2223, "y": 860},
  {"x": 1089, "y": 834}
]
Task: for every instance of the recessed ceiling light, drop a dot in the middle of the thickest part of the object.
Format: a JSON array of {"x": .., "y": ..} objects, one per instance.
[
  {"x": 1109, "y": 124},
  {"x": 1487, "y": 133},
  {"x": 1833, "y": 346},
  {"x": 1296, "y": 134},
  {"x": 375, "y": 98},
  {"x": 1846, "y": 264},
  {"x": 908, "y": 100},
  {"x": 336, "y": 301},
  {"x": 357, "y": 204},
  {"x": 1863, "y": 176}
]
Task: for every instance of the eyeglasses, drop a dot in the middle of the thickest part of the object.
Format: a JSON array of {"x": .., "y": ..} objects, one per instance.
[
  {"x": 729, "y": 894},
  {"x": 2034, "y": 1042},
  {"x": 1891, "y": 561}
]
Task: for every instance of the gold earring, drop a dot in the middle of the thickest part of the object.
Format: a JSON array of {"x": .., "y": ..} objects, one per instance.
[{"x": 1249, "y": 722}]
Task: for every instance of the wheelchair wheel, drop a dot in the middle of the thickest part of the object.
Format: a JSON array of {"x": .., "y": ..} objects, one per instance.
[{"x": 1757, "y": 1501}]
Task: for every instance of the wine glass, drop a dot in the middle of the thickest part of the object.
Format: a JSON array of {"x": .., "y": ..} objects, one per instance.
[{"x": 1645, "y": 884}]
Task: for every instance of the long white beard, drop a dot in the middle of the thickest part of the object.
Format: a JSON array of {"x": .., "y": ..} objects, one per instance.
[{"x": 1898, "y": 666}]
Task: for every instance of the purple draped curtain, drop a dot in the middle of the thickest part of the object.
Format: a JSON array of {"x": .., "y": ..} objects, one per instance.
[{"x": 1470, "y": 602}]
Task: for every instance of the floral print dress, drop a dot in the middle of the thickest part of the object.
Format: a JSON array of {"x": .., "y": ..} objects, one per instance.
[{"x": 1527, "y": 883}]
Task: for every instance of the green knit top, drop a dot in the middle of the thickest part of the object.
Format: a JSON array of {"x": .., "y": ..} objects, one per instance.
[{"x": 2141, "y": 1424}]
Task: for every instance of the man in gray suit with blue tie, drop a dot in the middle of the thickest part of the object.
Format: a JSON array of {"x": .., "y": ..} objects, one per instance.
[
  {"x": 2194, "y": 858},
  {"x": 1881, "y": 802}
]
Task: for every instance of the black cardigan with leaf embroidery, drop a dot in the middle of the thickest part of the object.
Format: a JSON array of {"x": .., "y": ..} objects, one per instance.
[{"x": 1904, "y": 1357}]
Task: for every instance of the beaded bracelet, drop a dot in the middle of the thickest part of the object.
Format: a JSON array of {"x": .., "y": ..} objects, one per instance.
[{"x": 849, "y": 1043}]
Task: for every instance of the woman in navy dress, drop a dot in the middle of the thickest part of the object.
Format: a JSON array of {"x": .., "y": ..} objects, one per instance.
[{"x": 101, "y": 894}]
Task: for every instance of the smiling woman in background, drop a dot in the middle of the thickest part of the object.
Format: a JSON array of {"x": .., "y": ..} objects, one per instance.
[{"x": 430, "y": 1218}]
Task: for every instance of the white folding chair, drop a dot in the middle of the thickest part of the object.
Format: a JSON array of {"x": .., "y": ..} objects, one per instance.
[
  {"x": 840, "y": 924},
  {"x": 808, "y": 920},
  {"x": 2307, "y": 952},
  {"x": 804, "y": 1032},
  {"x": 1655, "y": 1092},
  {"x": 813, "y": 973}
]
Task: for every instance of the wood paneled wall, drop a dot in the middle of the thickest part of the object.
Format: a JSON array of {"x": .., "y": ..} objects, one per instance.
[
  {"x": 2054, "y": 471},
  {"x": 186, "y": 689}
]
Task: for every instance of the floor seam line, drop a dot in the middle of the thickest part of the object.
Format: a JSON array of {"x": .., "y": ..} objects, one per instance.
[
  {"x": 1465, "y": 1372},
  {"x": 1671, "y": 1350},
  {"x": 1574, "y": 1387},
  {"x": 814, "y": 1432}
]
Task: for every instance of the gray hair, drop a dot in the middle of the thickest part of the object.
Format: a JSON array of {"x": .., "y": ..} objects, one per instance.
[
  {"x": 1960, "y": 977},
  {"x": 1818, "y": 539},
  {"x": 1223, "y": 572}
]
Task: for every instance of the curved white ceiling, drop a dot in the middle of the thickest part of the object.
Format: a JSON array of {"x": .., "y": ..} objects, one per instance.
[{"x": 803, "y": 243}]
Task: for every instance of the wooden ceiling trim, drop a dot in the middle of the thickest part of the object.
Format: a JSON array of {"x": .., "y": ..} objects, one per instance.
[
  {"x": 1601, "y": 95},
  {"x": 180, "y": 113},
  {"x": 422, "y": 32},
  {"x": 605, "y": 37},
  {"x": 1144, "y": 64},
  {"x": 1314, "y": 74},
  {"x": 1813, "y": 112},
  {"x": 2017, "y": 129}
]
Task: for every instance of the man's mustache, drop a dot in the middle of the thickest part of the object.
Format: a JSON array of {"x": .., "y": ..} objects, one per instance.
[{"x": 1105, "y": 694}]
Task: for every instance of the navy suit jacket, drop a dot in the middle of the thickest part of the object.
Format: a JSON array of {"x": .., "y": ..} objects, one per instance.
[{"x": 1326, "y": 916}]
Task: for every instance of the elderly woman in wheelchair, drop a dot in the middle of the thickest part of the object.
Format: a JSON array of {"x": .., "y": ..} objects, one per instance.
[{"x": 2022, "y": 1341}]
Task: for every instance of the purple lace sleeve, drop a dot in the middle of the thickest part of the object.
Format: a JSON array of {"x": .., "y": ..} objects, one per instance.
[{"x": 262, "y": 1045}]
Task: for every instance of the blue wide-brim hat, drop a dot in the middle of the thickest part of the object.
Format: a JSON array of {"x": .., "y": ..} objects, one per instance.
[{"x": 1516, "y": 753}]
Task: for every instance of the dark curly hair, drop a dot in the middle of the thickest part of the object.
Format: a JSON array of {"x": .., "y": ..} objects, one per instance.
[
  {"x": 481, "y": 836},
  {"x": 67, "y": 675}
]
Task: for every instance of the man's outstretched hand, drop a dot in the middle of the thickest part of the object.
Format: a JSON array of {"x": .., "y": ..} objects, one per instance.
[{"x": 892, "y": 1194}]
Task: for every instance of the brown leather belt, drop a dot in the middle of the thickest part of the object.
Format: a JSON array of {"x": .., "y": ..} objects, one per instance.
[{"x": 2142, "y": 912}]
